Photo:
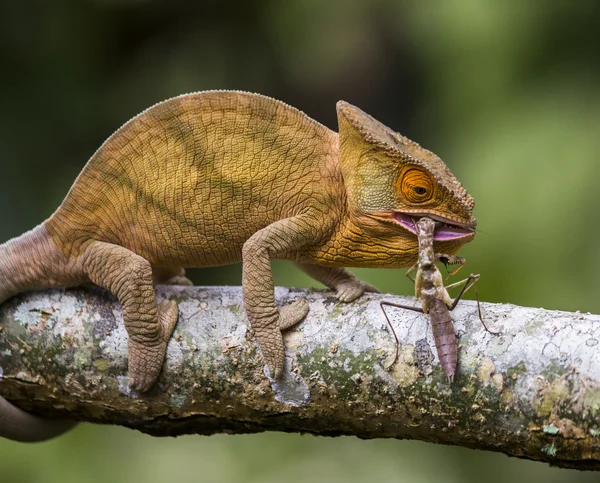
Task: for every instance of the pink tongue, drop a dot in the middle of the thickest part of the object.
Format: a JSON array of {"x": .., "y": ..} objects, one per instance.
[
  {"x": 444, "y": 232},
  {"x": 406, "y": 221},
  {"x": 448, "y": 233}
]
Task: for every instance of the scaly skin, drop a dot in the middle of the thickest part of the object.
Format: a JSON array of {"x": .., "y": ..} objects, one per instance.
[{"x": 218, "y": 177}]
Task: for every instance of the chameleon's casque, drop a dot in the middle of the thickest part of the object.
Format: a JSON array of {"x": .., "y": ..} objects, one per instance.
[{"x": 216, "y": 177}]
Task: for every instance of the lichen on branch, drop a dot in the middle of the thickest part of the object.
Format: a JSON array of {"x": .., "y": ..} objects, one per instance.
[{"x": 533, "y": 391}]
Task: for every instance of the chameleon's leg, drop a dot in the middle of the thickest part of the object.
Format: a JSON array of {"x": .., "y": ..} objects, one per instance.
[
  {"x": 170, "y": 276},
  {"x": 149, "y": 327},
  {"x": 346, "y": 285},
  {"x": 280, "y": 239}
]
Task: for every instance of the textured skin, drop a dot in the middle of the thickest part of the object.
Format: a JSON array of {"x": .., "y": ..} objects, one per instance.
[
  {"x": 434, "y": 298},
  {"x": 129, "y": 277},
  {"x": 218, "y": 177}
]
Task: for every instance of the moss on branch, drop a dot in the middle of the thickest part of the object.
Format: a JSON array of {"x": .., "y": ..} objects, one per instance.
[{"x": 531, "y": 392}]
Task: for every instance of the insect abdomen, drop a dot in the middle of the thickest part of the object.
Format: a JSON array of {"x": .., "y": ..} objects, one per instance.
[{"x": 444, "y": 336}]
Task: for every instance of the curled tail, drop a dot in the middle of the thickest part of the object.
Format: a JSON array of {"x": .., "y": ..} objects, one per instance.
[
  {"x": 19, "y": 425},
  {"x": 33, "y": 261}
]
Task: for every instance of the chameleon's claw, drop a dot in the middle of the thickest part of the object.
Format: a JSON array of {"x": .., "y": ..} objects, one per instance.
[
  {"x": 293, "y": 313},
  {"x": 370, "y": 288},
  {"x": 350, "y": 291}
]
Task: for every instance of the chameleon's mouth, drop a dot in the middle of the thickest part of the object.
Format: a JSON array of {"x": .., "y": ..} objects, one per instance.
[{"x": 444, "y": 230}]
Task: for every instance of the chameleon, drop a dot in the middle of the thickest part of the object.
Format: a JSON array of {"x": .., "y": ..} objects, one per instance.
[{"x": 217, "y": 177}]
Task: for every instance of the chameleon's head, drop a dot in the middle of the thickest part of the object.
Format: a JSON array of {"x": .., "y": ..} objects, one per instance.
[{"x": 392, "y": 181}]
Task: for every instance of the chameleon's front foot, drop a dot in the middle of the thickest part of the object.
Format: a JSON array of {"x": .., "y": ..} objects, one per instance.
[
  {"x": 270, "y": 339},
  {"x": 347, "y": 287},
  {"x": 352, "y": 289},
  {"x": 170, "y": 276},
  {"x": 146, "y": 359}
]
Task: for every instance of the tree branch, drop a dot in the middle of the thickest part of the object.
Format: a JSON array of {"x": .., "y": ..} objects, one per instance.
[{"x": 531, "y": 392}]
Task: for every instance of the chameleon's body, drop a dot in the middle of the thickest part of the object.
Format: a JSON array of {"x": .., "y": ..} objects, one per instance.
[{"x": 217, "y": 177}]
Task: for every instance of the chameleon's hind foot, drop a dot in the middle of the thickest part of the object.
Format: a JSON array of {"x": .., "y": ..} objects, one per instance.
[
  {"x": 146, "y": 359},
  {"x": 293, "y": 313},
  {"x": 270, "y": 339},
  {"x": 270, "y": 342},
  {"x": 168, "y": 314}
]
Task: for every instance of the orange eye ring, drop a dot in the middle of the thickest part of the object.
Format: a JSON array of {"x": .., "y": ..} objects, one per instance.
[{"x": 416, "y": 185}]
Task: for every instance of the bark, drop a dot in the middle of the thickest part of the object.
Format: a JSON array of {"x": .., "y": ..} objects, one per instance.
[{"x": 533, "y": 391}]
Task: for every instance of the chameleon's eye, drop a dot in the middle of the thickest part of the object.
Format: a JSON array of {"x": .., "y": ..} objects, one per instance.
[{"x": 416, "y": 186}]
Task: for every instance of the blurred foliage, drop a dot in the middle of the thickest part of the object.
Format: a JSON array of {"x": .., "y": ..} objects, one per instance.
[{"x": 506, "y": 92}]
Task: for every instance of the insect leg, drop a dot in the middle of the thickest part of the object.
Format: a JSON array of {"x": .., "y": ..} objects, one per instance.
[
  {"x": 467, "y": 283},
  {"x": 470, "y": 281},
  {"x": 381, "y": 304},
  {"x": 409, "y": 276}
]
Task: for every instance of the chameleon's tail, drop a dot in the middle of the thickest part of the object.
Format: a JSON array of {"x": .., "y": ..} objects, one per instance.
[
  {"x": 18, "y": 425},
  {"x": 31, "y": 261}
]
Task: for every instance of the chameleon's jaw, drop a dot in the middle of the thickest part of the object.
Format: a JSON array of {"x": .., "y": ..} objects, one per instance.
[{"x": 447, "y": 230}]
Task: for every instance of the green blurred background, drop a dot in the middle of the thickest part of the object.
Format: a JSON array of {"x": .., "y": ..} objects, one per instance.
[{"x": 506, "y": 92}]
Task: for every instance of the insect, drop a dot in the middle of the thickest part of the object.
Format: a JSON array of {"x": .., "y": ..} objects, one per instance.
[
  {"x": 434, "y": 297},
  {"x": 446, "y": 260}
]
